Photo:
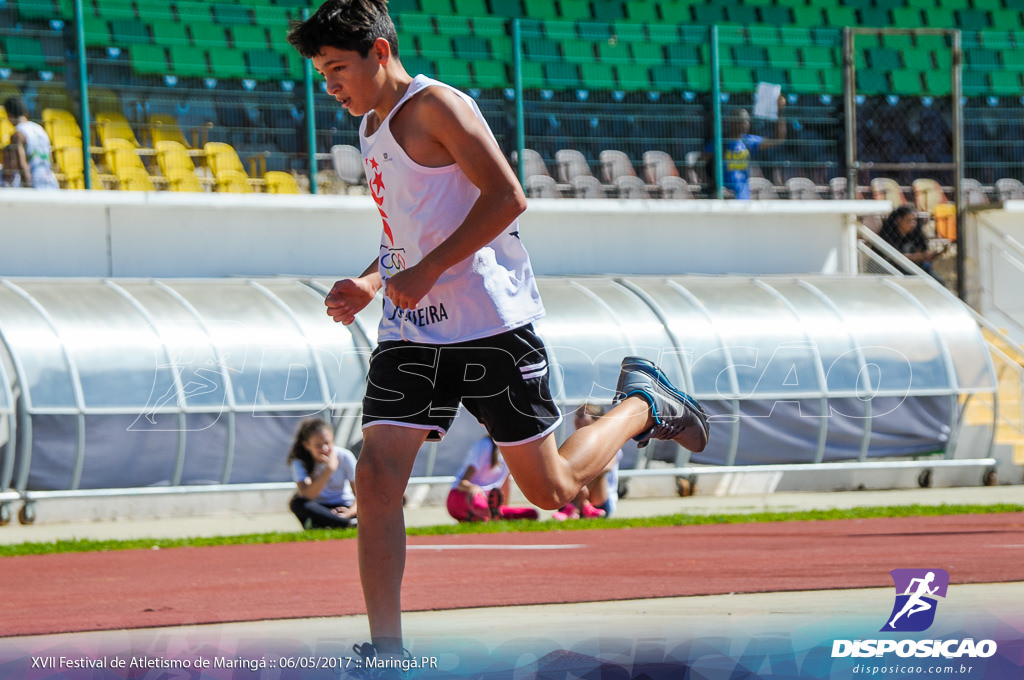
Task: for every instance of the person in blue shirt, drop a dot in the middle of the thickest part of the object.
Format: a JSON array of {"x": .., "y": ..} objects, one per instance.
[{"x": 740, "y": 149}]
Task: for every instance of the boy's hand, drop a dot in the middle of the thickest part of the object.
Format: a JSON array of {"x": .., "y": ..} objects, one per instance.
[
  {"x": 348, "y": 297},
  {"x": 406, "y": 288}
]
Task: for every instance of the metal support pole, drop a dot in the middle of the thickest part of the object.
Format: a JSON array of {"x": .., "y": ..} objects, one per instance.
[
  {"x": 83, "y": 80},
  {"x": 517, "y": 64},
  {"x": 849, "y": 95},
  {"x": 716, "y": 94},
  {"x": 307, "y": 73}
]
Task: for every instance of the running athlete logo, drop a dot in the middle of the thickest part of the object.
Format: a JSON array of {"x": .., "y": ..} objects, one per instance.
[{"x": 914, "y": 609}]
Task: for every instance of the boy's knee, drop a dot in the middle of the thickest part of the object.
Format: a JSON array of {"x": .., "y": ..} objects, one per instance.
[
  {"x": 549, "y": 496},
  {"x": 377, "y": 485}
]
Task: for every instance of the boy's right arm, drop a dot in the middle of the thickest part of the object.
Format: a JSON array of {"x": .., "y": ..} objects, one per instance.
[{"x": 349, "y": 296}]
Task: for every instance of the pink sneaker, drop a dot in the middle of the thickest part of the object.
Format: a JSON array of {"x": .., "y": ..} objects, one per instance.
[
  {"x": 565, "y": 512},
  {"x": 591, "y": 512}
]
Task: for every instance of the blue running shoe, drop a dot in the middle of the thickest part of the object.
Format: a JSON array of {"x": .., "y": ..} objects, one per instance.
[{"x": 677, "y": 415}]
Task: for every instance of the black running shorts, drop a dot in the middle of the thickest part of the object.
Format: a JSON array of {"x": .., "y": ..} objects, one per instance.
[{"x": 502, "y": 380}]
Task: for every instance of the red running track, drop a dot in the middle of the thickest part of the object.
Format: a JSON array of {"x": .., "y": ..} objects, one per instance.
[{"x": 144, "y": 588}]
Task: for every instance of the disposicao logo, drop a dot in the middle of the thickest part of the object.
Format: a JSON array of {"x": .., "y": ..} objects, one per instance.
[
  {"x": 914, "y": 611},
  {"x": 916, "y": 590}
]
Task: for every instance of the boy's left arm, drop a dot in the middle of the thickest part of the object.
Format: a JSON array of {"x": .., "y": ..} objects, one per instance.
[{"x": 467, "y": 140}]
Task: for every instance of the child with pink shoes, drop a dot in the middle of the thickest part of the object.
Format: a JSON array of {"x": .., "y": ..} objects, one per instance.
[{"x": 481, "y": 487}]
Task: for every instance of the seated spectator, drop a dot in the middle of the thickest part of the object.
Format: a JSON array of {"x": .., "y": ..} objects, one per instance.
[
  {"x": 902, "y": 230},
  {"x": 481, "y": 487},
  {"x": 26, "y": 159},
  {"x": 601, "y": 495},
  {"x": 324, "y": 475}
]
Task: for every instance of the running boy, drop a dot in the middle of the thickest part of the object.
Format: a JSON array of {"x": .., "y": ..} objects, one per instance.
[{"x": 459, "y": 302}]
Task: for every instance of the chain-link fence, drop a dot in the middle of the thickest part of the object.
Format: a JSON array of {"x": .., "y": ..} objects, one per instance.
[{"x": 605, "y": 90}]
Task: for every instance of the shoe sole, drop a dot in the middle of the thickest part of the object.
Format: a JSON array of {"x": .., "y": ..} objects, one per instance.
[{"x": 693, "y": 441}]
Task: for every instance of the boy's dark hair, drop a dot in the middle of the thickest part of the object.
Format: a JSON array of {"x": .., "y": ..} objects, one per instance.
[
  {"x": 346, "y": 25},
  {"x": 16, "y": 108}
]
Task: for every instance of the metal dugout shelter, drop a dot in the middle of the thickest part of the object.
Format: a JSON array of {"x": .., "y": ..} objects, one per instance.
[{"x": 114, "y": 386}]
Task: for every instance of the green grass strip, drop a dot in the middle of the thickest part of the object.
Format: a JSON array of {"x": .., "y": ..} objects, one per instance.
[{"x": 89, "y": 545}]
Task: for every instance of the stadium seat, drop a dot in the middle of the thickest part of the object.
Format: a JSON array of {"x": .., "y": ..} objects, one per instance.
[
  {"x": 571, "y": 164},
  {"x": 279, "y": 182},
  {"x": 1009, "y": 189},
  {"x": 973, "y": 192},
  {"x": 6, "y": 128},
  {"x": 134, "y": 179},
  {"x": 232, "y": 182},
  {"x": 226, "y": 167},
  {"x": 533, "y": 164},
  {"x": 182, "y": 179},
  {"x": 60, "y": 123},
  {"x": 658, "y": 164},
  {"x": 164, "y": 127},
  {"x": 172, "y": 155},
  {"x": 615, "y": 164},
  {"x": 587, "y": 186},
  {"x": 112, "y": 125},
  {"x": 888, "y": 189},
  {"x": 762, "y": 189},
  {"x": 68, "y": 159},
  {"x": 348, "y": 164},
  {"x": 802, "y": 189},
  {"x": 541, "y": 186},
  {"x": 631, "y": 186},
  {"x": 675, "y": 187},
  {"x": 121, "y": 154}
]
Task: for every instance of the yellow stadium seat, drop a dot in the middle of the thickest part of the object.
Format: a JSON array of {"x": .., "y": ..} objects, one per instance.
[
  {"x": 172, "y": 155},
  {"x": 281, "y": 183},
  {"x": 164, "y": 127},
  {"x": 69, "y": 163},
  {"x": 111, "y": 125},
  {"x": 228, "y": 172},
  {"x": 134, "y": 179},
  {"x": 6, "y": 128},
  {"x": 120, "y": 155},
  {"x": 183, "y": 179},
  {"x": 232, "y": 182}
]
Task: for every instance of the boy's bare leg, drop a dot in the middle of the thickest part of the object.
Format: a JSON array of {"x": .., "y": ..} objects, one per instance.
[
  {"x": 550, "y": 476},
  {"x": 382, "y": 473}
]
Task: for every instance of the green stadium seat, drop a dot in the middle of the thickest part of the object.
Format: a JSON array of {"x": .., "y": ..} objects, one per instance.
[
  {"x": 271, "y": 16},
  {"x": 996, "y": 40},
  {"x": 436, "y": 8},
  {"x": 540, "y": 9},
  {"x": 874, "y": 17},
  {"x": 614, "y": 52},
  {"x": 870, "y": 81},
  {"x": 187, "y": 60},
  {"x": 608, "y": 10},
  {"x": 111, "y": 9},
  {"x": 832, "y": 81},
  {"x": 808, "y": 17},
  {"x": 156, "y": 12},
  {"x": 709, "y": 14},
  {"x": 21, "y": 52},
  {"x": 597, "y": 76},
  {"x": 897, "y": 41},
  {"x": 129, "y": 32},
  {"x": 399, "y": 6},
  {"x": 975, "y": 83},
  {"x": 435, "y": 47},
  {"x": 632, "y": 76},
  {"x": 415, "y": 24},
  {"x": 695, "y": 35},
  {"x": 1004, "y": 19},
  {"x": 209, "y": 35},
  {"x": 455, "y": 72},
  {"x": 744, "y": 15},
  {"x": 1014, "y": 59},
  {"x": 1006, "y": 83},
  {"x": 642, "y": 11},
  {"x": 574, "y": 10},
  {"x": 906, "y": 81},
  {"x": 884, "y": 59},
  {"x": 771, "y": 74},
  {"x": 675, "y": 14},
  {"x": 663, "y": 33},
  {"x": 775, "y": 15},
  {"x": 470, "y": 47},
  {"x": 228, "y": 63},
  {"x": 647, "y": 53},
  {"x": 501, "y": 47},
  {"x": 922, "y": 4},
  {"x": 737, "y": 79},
  {"x": 784, "y": 56},
  {"x": 562, "y": 75},
  {"x": 507, "y": 8},
  {"x": 972, "y": 19},
  {"x": 194, "y": 13},
  {"x": 631, "y": 32},
  {"x": 265, "y": 64},
  {"x": 169, "y": 33},
  {"x": 490, "y": 73},
  {"x": 805, "y": 80},
  {"x": 231, "y": 15},
  {"x": 249, "y": 37},
  {"x": 149, "y": 59},
  {"x": 907, "y": 16},
  {"x": 698, "y": 78},
  {"x": 578, "y": 51},
  {"x": 560, "y": 31},
  {"x": 981, "y": 58},
  {"x": 415, "y": 65},
  {"x": 682, "y": 55},
  {"x": 838, "y": 16},
  {"x": 541, "y": 50},
  {"x": 532, "y": 75},
  {"x": 491, "y": 26},
  {"x": 667, "y": 77},
  {"x": 471, "y": 8},
  {"x": 919, "y": 60},
  {"x": 813, "y": 56},
  {"x": 796, "y": 36},
  {"x": 97, "y": 31},
  {"x": 749, "y": 55},
  {"x": 35, "y": 10},
  {"x": 453, "y": 26},
  {"x": 591, "y": 31},
  {"x": 938, "y": 83},
  {"x": 939, "y": 17},
  {"x": 766, "y": 36}
]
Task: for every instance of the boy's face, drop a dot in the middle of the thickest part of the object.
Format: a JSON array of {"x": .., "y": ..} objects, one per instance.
[{"x": 353, "y": 80}]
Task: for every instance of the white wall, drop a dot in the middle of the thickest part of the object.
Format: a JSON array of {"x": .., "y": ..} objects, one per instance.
[
  {"x": 995, "y": 265},
  {"x": 130, "y": 234}
]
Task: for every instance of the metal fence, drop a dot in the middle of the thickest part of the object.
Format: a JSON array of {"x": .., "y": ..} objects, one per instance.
[{"x": 196, "y": 72}]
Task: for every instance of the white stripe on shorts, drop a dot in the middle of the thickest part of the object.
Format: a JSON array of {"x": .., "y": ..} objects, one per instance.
[{"x": 534, "y": 370}]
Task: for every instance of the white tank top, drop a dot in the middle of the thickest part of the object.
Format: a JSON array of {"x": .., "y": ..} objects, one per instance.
[
  {"x": 490, "y": 292},
  {"x": 37, "y": 152}
]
